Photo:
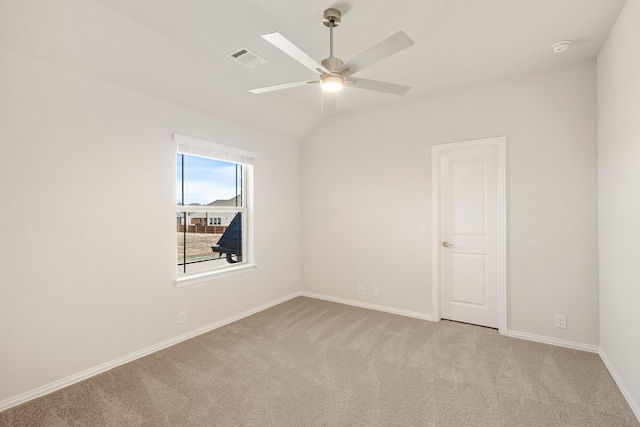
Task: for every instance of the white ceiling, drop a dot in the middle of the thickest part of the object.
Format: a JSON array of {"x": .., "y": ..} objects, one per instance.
[{"x": 176, "y": 50}]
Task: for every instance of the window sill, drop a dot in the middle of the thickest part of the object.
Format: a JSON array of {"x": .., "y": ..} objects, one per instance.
[{"x": 193, "y": 278}]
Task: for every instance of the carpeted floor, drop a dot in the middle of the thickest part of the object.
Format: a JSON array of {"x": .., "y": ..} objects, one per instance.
[{"x": 308, "y": 362}]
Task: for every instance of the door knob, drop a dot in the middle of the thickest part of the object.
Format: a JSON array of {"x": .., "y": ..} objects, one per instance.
[{"x": 447, "y": 244}]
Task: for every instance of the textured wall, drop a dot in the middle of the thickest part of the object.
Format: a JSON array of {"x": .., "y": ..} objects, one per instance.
[
  {"x": 619, "y": 200},
  {"x": 370, "y": 168},
  {"x": 87, "y": 178}
]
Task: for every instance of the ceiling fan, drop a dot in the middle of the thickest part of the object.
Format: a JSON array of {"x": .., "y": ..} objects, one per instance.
[{"x": 334, "y": 73}]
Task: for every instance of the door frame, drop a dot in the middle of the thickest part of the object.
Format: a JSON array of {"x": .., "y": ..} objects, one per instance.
[{"x": 499, "y": 144}]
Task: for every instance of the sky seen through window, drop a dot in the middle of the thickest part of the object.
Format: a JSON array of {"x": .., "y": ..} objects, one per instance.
[{"x": 206, "y": 180}]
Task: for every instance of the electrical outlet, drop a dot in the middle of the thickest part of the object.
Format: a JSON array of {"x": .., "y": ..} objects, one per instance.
[
  {"x": 361, "y": 289},
  {"x": 182, "y": 317},
  {"x": 561, "y": 321},
  {"x": 376, "y": 291}
]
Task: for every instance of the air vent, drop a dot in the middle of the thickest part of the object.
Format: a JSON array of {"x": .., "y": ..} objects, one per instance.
[{"x": 246, "y": 57}]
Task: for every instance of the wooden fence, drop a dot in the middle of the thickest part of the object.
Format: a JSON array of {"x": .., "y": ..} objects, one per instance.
[{"x": 208, "y": 229}]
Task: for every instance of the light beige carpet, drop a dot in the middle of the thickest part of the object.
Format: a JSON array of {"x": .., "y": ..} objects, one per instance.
[{"x": 314, "y": 363}]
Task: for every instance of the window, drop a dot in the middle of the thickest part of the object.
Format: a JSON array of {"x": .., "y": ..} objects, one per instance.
[{"x": 213, "y": 216}]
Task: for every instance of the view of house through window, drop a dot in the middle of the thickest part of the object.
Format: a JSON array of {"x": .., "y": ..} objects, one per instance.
[{"x": 211, "y": 213}]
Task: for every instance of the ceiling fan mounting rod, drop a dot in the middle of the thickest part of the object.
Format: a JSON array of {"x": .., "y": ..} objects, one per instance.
[
  {"x": 331, "y": 40},
  {"x": 331, "y": 19}
]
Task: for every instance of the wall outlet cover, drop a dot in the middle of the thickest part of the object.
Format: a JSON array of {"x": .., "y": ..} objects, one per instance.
[{"x": 561, "y": 321}]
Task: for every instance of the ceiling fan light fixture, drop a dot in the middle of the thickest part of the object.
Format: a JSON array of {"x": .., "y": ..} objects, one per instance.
[{"x": 332, "y": 83}]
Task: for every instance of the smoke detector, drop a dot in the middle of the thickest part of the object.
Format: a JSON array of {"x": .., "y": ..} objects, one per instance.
[{"x": 561, "y": 47}]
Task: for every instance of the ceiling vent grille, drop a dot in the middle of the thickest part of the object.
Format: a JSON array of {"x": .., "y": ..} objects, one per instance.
[{"x": 246, "y": 57}]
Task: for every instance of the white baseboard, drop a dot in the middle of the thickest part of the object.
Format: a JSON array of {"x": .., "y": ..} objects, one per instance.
[
  {"x": 515, "y": 334},
  {"x": 367, "y": 305},
  {"x": 635, "y": 406},
  {"x": 554, "y": 341},
  {"x": 65, "y": 382}
]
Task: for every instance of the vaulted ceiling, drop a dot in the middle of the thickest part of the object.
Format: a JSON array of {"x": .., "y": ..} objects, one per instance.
[{"x": 177, "y": 50}]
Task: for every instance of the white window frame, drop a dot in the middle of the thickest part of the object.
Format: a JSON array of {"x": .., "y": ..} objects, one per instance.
[{"x": 208, "y": 149}]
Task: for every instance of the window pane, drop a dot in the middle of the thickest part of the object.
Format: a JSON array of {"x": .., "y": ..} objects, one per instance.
[
  {"x": 208, "y": 182},
  {"x": 211, "y": 238},
  {"x": 202, "y": 246}
]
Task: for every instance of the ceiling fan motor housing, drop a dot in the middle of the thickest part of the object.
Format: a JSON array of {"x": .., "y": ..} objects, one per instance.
[{"x": 332, "y": 63}]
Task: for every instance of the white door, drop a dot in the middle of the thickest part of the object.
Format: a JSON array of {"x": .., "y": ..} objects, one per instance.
[{"x": 469, "y": 232}]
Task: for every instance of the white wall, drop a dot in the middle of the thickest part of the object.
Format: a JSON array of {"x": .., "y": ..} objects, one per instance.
[
  {"x": 366, "y": 188},
  {"x": 84, "y": 279},
  {"x": 619, "y": 201}
]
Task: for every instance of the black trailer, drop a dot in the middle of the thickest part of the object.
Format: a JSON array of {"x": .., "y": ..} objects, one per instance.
[{"x": 230, "y": 243}]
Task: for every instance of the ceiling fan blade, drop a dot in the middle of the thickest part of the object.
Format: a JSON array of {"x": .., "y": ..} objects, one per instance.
[
  {"x": 282, "y": 86},
  {"x": 378, "y": 86},
  {"x": 282, "y": 43},
  {"x": 329, "y": 101},
  {"x": 382, "y": 50}
]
